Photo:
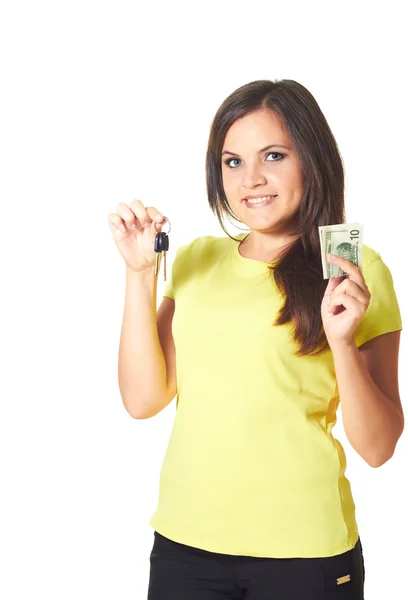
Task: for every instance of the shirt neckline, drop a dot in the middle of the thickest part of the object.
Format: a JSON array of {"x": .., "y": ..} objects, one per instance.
[{"x": 248, "y": 263}]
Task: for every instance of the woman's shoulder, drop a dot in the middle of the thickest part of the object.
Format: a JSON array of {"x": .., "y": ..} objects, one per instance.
[
  {"x": 368, "y": 255},
  {"x": 202, "y": 245}
]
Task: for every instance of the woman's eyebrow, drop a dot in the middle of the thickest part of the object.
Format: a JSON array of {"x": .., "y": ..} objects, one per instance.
[{"x": 259, "y": 151}]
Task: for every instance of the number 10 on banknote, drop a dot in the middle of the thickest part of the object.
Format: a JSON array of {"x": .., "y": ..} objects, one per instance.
[{"x": 344, "y": 239}]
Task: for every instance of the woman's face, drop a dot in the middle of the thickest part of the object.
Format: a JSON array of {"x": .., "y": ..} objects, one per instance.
[{"x": 248, "y": 171}]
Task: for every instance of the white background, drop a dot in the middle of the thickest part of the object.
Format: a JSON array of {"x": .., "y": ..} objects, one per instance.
[{"x": 104, "y": 102}]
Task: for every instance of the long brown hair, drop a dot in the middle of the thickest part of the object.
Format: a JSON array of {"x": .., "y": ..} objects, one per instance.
[{"x": 298, "y": 272}]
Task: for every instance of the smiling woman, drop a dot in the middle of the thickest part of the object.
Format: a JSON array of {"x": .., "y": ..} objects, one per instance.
[
  {"x": 253, "y": 473},
  {"x": 263, "y": 141},
  {"x": 252, "y": 174}
]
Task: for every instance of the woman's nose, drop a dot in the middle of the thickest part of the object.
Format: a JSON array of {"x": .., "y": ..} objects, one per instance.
[{"x": 253, "y": 176}]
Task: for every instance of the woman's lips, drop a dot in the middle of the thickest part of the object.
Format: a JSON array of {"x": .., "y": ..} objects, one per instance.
[{"x": 259, "y": 204}]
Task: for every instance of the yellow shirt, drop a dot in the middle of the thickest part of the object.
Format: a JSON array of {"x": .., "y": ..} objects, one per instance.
[{"x": 252, "y": 467}]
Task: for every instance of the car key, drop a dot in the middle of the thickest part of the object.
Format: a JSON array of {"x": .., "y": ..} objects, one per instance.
[{"x": 161, "y": 246}]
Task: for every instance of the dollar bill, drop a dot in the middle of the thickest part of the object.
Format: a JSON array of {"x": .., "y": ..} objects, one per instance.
[{"x": 346, "y": 240}]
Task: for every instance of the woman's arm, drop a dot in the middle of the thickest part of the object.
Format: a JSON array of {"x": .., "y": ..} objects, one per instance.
[{"x": 367, "y": 379}]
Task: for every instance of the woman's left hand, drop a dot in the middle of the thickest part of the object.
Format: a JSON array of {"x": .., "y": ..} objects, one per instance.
[{"x": 344, "y": 303}]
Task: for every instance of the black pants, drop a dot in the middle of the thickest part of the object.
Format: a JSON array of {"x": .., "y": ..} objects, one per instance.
[{"x": 180, "y": 572}]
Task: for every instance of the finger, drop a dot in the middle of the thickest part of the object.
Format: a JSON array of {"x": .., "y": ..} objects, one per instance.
[
  {"x": 350, "y": 268},
  {"x": 156, "y": 215},
  {"x": 128, "y": 216},
  {"x": 351, "y": 304},
  {"x": 145, "y": 215},
  {"x": 157, "y": 220},
  {"x": 116, "y": 223},
  {"x": 333, "y": 283},
  {"x": 351, "y": 288}
]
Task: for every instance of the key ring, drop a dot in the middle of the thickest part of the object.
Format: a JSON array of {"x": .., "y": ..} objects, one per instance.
[{"x": 155, "y": 223}]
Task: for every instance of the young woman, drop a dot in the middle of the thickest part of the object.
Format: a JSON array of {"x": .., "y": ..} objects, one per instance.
[{"x": 260, "y": 349}]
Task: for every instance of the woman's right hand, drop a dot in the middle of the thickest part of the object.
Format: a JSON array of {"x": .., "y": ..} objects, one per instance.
[{"x": 133, "y": 231}]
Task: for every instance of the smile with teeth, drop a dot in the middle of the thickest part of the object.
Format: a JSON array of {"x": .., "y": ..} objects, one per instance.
[{"x": 259, "y": 201}]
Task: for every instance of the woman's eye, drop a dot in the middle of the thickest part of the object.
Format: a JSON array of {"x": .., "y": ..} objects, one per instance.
[{"x": 228, "y": 161}]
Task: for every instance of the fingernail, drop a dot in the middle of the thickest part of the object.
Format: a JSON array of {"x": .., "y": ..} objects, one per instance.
[
  {"x": 146, "y": 225},
  {"x": 123, "y": 228}
]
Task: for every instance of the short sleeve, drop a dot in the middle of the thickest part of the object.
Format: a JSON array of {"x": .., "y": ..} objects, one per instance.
[{"x": 383, "y": 313}]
